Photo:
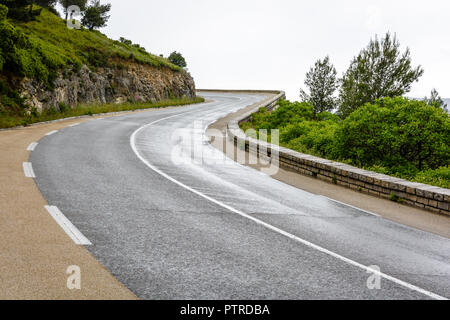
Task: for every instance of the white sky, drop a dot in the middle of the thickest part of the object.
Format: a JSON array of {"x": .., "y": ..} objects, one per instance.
[{"x": 268, "y": 44}]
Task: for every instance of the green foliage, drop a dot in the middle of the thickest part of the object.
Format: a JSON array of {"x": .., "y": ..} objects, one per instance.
[
  {"x": 43, "y": 3},
  {"x": 395, "y": 136},
  {"x": 177, "y": 59},
  {"x": 42, "y": 48},
  {"x": 396, "y": 133},
  {"x": 63, "y": 108},
  {"x": 286, "y": 113},
  {"x": 3, "y": 12},
  {"x": 96, "y": 16},
  {"x": 23, "y": 56},
  {"x": 10, "y": 101},
  {"x": 23, "y": 9},
  {"x": 379, "y": 71},
  {"x": 322, "y": 83},
  {"x": 435, "y": 100},
  {"x": 438, "y": 177},
  {"x": 126, "y": 41},
  {"x": 12, "y": 120},
  {"x": 314, "y": 137},
  {"x": 39, "y": 49},
  {"x": 395, "y": 198}
]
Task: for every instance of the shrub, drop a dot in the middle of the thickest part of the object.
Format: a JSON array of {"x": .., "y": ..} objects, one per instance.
[
  {"x": 10, "y": 101},
  {"x": 396, "y": 132},
  {"x": 439, "y": 177},
  {"x": 177, "y": 59},
  {"x": 315, "y": 137},
  {"x": 395, "y": 136},
  {"x": 63, "y": 107}
]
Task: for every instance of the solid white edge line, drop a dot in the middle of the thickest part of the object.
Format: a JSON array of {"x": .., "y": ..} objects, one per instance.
[
  {"x": 28, "y": 170},
  {"x": 51, "y": 132},
  {"x": 32, "y": 146},
  {"x": 271, "y": 227},
  {"x": 350, "y": 206},
  {"x": 67, "y": 226},
  {"x": 75, "y": 124}
]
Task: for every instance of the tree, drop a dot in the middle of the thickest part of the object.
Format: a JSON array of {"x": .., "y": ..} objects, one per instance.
[
  {"x": 96, "y": 16},
  {"x": 380, "y": 70},
  {"x": 435, "y": 100},
  {"x": 67, "y": 3},
  {"x": 322, "y": 83},
  {"x": 177, "y": 59}
]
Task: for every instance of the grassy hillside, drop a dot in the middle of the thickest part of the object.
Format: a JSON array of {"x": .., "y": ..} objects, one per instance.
[
  {"x": 63, "y": 46},
  {"x": 42, "y": 48},
  {"x": 39, "y": 49}
]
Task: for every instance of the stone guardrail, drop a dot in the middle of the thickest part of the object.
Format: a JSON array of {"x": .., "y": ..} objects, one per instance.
[{"x": 414, "y": 194}]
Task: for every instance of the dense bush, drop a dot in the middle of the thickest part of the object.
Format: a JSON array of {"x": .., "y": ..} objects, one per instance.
[
  {"x": 177, "y": 59},
  {"x": 396, "y": 132},
  {"x": 396, "y": 136},
  {"x": 23, "y": 56},
  {"x": 10, "y": 101}
]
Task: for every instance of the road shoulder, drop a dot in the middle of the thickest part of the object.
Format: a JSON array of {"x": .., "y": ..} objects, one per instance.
[{"x": 35, "y": 252}]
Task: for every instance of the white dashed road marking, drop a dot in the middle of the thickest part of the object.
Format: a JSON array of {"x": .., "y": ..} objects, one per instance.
[
  {"x": 51, "y": 132},
  {"x": 32, "y": 146},
  {"x": 67, "y": 226},
  {"x": 28, "y": 170}
]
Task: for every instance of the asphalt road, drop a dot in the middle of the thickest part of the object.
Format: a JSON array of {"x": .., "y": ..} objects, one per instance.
[{"x": 170, "y": 228}]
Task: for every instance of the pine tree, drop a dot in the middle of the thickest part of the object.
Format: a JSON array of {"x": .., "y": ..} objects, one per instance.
[
  {"x": 435, "y": 100},
  {"x": 322, "y": 83},
  {"x": 380, "y": 70},
  {"x": 96, "y": 16}
]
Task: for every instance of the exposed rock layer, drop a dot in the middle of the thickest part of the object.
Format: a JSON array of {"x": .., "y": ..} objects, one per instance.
[{"x": 132, "y": 82}]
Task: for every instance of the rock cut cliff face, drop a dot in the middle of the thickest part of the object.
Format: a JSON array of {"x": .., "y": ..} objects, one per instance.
[{"x": 131, "y": 82}]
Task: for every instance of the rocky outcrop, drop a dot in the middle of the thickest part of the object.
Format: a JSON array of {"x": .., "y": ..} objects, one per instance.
[{"x": 131, "y": 82}]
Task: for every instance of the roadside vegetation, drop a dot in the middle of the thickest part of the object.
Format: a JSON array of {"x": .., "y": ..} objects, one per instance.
[
  {"x": 88, "y": 110},
  {"x": 369, "y": 125},
  {"x": 36, "y": 43}
]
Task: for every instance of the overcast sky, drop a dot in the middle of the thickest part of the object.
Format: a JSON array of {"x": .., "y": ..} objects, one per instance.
[{"x": 268, "y": 44}]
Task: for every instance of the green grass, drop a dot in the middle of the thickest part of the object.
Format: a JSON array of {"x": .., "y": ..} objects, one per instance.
[
  {"x": 92, "y": 109},
  {"x": 62, "y": 46}
]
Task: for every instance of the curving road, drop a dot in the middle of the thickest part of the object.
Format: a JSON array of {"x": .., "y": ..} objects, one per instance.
[{"x": 170, "y": 228}]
